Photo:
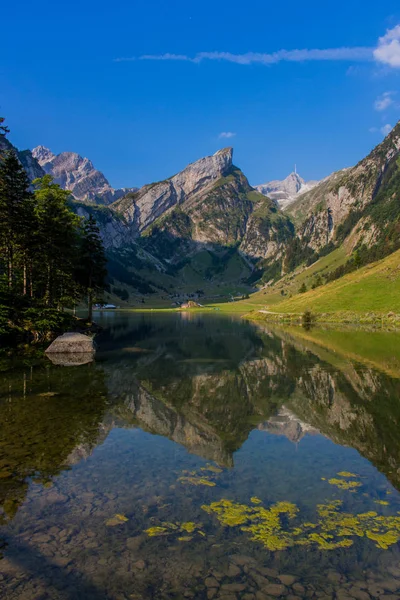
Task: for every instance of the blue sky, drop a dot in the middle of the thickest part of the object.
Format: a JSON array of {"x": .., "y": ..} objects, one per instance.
[{"x": 142, "y": 88}]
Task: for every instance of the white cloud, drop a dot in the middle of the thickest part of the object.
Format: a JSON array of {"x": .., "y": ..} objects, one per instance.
[
  {"x": 388, "y": 49},
  {"x": 249, "y": 58},
  {"x": 227, "y": 134},
  {"x": 386, "y": 129},
  {"x": 167, "y": 56},
  {"x": 384, "y": 101}
]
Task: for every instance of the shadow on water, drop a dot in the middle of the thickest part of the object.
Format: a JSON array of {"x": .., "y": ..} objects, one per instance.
[{"x": 69, "y": 585}]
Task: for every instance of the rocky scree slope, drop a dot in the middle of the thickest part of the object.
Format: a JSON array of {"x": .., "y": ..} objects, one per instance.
[{"x": 77, "y": 174}]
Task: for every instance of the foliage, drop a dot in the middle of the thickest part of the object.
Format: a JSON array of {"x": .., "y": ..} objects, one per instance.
[
  {"x": 49, "y": 257},
  {"x": 307, "y": 319},
  {"x": 91, "y": 269},
  {"x": 297, "y": 252},
  {"x": 303, "y": 288},
  {"x": 3, "y": 128},
  {"x": 41, "y": 321}
]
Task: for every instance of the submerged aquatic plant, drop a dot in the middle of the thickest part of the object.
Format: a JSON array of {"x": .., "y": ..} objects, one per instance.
[
  {"x": 332, "y": 529},
  {"x": 197, "y": 481},
  {"x": 116, "y": 520},
  {"x": 265, "y": 524},
  {"x": 343, "y": 484},
  {"x": 346, "y": 474},
  {"x": 200, "y": 477},
  {"x": 167, "y": 528},
  {"x": 212, "y": 468},
  {"x": 156, "y": 531}
]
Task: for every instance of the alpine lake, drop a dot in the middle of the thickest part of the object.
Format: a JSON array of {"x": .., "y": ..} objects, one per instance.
[{"x": 203, "y": 456}]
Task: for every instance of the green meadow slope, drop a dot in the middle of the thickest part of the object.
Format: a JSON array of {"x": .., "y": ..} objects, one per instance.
[{"x": 374, "y": 288}]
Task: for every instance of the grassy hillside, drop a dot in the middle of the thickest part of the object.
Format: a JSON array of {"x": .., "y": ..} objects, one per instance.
[{"x": 374, "y": 288}]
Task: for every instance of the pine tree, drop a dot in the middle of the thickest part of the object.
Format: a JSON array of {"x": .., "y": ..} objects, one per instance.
[
  {"x": 56, "y": 242},
  {"x": 303, "y": 288},
  {"x": 16, "y": 215},
  {"x": 92, "y": 262},
  {"x": 357, "y": 259},
  {"x": 3, "y": 132},
  {"x": 3, "y": 128}
]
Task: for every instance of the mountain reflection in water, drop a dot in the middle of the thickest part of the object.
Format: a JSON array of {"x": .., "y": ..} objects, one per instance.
[{"x": 210, "y": 384}]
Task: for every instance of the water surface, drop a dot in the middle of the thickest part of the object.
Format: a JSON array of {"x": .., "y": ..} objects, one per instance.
[{"x": 201, "y": 456}]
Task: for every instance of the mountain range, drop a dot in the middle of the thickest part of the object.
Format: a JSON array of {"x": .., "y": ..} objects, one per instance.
[
  {"x": 208, "y": 222},
  {"x": 206, "y": 230}
]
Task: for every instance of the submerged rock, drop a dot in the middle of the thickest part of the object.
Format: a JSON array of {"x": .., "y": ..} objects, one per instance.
[{"x": 72, "y": 343}]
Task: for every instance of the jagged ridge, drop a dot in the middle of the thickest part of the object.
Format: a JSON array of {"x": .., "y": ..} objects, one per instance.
[{"x": 77, "y": 174}]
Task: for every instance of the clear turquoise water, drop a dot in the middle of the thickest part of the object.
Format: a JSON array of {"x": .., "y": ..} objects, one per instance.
[{"x": 93, "y": 457}]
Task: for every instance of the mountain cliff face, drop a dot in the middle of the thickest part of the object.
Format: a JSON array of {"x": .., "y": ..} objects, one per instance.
[
  {"x": 142, "y": 208},
  {"x": 357, "y": 204},
  {"x": 77, "y": 174},
  {"x": 286, "y": 191}
]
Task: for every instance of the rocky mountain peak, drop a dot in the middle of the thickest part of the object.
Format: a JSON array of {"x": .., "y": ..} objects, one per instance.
[
  {"x": 152, "y": 201},
  {"x": 42, "y": 154},
  {"x": 286, "y": 191},
  {"x": 226, "y": 154},
  {"x": 77, "y": 174},
  {"x": 293, "y": 183}
]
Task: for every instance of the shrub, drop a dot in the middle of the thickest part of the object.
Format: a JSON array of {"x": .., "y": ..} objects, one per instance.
[
  {"x": 307, "y": 319},
  {"x": 303, "y": 288}
]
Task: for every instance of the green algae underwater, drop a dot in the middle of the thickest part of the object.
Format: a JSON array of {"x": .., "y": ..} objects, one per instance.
[{"x": 199, "y": 456}]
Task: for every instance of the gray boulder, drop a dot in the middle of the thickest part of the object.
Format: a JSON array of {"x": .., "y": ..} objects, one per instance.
[
  {"x": 71, "y": 359},
  {"x": 72, "y": 343}
]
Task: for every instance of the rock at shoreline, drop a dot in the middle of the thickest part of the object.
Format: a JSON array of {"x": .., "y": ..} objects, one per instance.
[
  {"x": 190, "y": 304},
  {"x": 72, "y": 343},
  {"x": 71, "y": 359}
]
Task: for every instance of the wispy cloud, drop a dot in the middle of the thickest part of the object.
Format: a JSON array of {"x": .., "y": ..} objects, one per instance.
[
  {"x": 384, "y": 101},
  {"x": 386, "y": 129},
  {"x": 388, "y": 49},
  {"x": 227, "y": 134},
  {"x": 249, "y": 58}
]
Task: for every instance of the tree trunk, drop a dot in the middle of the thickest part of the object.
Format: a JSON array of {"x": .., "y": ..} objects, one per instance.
[
  {"x": 90, "y": 305},
  {"x": 24, "y": 279},
  {"x": 48, "y": 284},
  {"x": 30, "y": 282},
  {"x": 10, "y": 268}
]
